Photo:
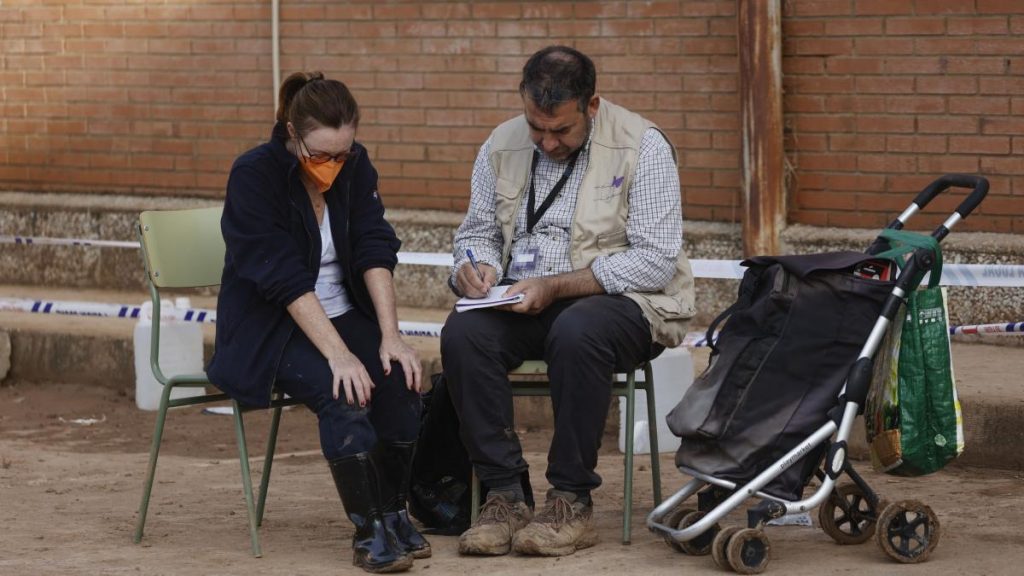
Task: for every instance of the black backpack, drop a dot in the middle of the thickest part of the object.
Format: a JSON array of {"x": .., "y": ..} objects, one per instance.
[
  {"x": 439, "y": 492},
  {"x": 439, "y": 495},
  {"x": 778, "y": 365}
]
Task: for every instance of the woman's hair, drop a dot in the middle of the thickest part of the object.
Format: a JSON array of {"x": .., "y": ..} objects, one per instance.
[
  {"x": 558, "y": 74},
  {"x": 307, "y": 100}
]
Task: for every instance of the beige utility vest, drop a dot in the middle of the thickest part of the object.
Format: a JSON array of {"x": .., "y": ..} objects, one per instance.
[{"x": 602, "y": 205}]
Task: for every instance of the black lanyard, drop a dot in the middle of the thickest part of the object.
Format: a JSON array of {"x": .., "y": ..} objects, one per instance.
[{"x": 532, "y": 217}]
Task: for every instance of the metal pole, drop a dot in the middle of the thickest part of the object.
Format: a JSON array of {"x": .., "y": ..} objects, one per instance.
[
  {"x": 275, "y": 46},
  {"x": 759, "y": 37}
]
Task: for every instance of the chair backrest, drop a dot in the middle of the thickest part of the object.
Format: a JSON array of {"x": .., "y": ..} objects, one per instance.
[{"x": 182, "y": 248}]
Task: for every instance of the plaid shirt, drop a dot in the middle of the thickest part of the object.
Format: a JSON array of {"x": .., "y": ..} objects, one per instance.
[{"x": 654, "y": 225}]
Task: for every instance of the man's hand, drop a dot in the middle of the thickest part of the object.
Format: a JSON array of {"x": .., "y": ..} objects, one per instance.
[
  {"x": 469, "y": 282},
  {"x": 538, "y": 294},
  {"x": 394, "y": 349}
]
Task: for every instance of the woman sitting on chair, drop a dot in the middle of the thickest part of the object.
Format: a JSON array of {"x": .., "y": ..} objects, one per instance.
[{"x": 307, "y": 307}]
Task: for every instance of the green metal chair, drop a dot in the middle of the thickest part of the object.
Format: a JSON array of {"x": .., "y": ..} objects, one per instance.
[
  {"x": 530, "y": 379},
  {"x": 184, "y": 249}
]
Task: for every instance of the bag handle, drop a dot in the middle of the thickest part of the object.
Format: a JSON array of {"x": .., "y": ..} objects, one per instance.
[
  {"x": 744, "y": 299},
  {"x": 709, "y": 336},
  {"x": 903, "y": 243}
]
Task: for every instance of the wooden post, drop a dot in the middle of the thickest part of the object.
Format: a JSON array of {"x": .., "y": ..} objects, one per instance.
[{"x": 759, "y": 38}]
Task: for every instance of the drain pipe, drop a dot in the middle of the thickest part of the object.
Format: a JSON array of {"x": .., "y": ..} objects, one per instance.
[
  {"x": 275, "y": 46},
  {"x": 759, "y": 36}
]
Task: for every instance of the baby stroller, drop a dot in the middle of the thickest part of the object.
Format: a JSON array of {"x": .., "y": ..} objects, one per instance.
[{"x": 777, "y": 403}]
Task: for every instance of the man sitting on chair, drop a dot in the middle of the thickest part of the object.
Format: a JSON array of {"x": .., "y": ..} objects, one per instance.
[{"x": 575, "y": 203}]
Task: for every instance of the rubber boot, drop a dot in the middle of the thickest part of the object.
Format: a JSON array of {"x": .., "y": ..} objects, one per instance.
[
  {"x": 394, "y": 463},
  {"x": 374, "y": 549}
]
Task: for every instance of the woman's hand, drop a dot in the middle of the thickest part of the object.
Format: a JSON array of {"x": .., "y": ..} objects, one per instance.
[
  {"x": 394, "y": 349},
  {"x": 350, "y": 374}
]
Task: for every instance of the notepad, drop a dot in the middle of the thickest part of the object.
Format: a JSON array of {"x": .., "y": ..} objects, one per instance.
[{"x": 495, "y": 297}]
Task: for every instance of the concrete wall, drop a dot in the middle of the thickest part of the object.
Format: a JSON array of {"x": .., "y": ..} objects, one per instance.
[{"x": 113, "y": 218}]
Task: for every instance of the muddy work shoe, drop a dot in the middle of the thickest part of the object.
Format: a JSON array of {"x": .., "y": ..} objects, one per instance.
[
  {"x": 564, "y": 526},
  {"x": 499, "y": 520}
]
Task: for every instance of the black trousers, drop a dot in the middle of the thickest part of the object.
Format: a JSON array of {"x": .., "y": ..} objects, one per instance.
[
  {"x": 391, "y": 415},
  {"x": 584, "y": 341}
]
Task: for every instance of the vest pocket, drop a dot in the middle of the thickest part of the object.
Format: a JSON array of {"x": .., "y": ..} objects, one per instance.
[
  {"x": 608, "y": 193},
  {"x": 506, "y": 208},
  {"x": 508, "y": 189},
  {"x": 669, "y": 307}
]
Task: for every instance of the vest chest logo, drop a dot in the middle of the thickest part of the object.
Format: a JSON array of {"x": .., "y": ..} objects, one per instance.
[{"x": 611, "y": 191}]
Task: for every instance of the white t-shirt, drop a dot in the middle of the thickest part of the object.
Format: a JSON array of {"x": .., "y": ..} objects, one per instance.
[{"x": 329, "y": 289}]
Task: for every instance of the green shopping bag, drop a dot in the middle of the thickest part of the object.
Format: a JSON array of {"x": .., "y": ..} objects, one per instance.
[{"x": 912, "y": 414}]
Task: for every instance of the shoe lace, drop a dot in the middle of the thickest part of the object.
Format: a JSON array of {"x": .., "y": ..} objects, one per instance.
[
  {"x": 496, "y": 510},
  {"x": 557, "y": 512}
]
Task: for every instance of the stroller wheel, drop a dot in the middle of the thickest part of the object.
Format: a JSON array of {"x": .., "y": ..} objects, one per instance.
[
  {"x": 701, "y": 545},
  {"x": 748, "y": 551},
  {"x": 672, "y": 519},
  {"x": 847, "y": 516},
  {"x": 908, "y": 531},
  {"x": 720, "y": 544}
]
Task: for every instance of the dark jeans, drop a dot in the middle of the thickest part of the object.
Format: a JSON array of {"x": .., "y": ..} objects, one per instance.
[
  {"x": 391, "y": 415},
  {"x": 584, "y": 341}
]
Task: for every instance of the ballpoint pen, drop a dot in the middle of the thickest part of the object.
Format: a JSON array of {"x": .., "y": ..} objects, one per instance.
[{"x": 472, "y": 262}]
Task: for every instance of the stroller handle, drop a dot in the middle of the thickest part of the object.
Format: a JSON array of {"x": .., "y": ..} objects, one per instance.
[{"x": 977, "y": 184}]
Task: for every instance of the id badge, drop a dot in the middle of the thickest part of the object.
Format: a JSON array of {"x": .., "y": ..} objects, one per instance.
[{"x": 525, "y": 261}]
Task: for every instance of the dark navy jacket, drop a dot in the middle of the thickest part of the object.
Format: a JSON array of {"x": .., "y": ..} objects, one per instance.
[{"x": 273, "y": 257}]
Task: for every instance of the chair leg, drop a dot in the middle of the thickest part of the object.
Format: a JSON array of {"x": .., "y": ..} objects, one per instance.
[
  {"x": 652, "y": 421},
  {"x": 154, "y": 453},
  {"x": 268, "y": 462},
  {"x": 243, "y": 457},
  {"x": 474, "y": 498},
  {"x": 627, "y": 490}
]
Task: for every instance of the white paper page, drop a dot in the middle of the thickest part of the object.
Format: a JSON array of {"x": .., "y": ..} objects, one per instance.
[{"x": 495, "y": 297}]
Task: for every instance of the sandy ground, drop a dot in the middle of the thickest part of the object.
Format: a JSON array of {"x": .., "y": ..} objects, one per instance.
[{"x": 69, "y": 494}]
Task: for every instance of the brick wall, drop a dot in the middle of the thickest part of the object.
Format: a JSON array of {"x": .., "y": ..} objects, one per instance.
[
  {"x": 158, "y": 98},
  {"x": 884, "y": 95}
]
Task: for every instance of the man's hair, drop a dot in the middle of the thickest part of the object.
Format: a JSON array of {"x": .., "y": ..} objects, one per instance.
[{"x": 556, "y": 75}]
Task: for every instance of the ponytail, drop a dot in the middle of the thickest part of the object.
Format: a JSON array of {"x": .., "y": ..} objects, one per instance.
[{"x": 307, "y": 99}]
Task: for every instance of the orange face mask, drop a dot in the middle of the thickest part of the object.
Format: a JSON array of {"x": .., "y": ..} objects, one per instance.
[{"x": 322, "y": 175}]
